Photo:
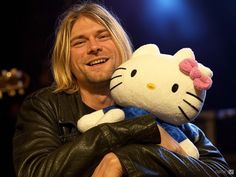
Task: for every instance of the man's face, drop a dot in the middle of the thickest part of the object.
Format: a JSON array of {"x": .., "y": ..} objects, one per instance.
[{"x": 94, "y": 55}]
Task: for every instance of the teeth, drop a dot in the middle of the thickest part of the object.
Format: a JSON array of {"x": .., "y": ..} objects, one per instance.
[{"x": 97, "y": 62}]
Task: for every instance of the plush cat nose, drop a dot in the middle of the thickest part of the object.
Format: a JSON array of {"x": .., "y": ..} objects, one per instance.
[{"x": 151, "y": 86}]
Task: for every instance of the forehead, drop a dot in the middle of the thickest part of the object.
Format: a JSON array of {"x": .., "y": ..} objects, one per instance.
[{"x": 86, "y": 25}]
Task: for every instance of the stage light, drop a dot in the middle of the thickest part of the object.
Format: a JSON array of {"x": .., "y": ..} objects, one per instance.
[{"x": 174, "y": 18}]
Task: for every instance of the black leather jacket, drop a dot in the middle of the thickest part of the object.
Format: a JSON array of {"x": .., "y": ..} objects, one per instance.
[{"x": 47, "y": 143}]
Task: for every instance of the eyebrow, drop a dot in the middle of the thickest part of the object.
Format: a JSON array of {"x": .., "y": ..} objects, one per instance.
[{"x": 82, "y": 36}]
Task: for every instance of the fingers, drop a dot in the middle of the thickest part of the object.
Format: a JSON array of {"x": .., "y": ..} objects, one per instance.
[{"x": 109, "y": 166}]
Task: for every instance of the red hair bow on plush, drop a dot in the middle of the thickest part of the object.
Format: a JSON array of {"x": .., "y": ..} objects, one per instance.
[{"x": 200, "y": 80}]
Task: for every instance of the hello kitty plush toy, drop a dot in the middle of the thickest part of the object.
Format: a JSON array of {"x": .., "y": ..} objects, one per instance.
[{"x": 170, "y": 87}]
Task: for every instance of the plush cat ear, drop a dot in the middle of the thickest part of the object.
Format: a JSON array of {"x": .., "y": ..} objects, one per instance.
[
  {"x": 207, "y": 71},
  {"x": 184, "y": 53},
  {"x": 148, "y": 49}
]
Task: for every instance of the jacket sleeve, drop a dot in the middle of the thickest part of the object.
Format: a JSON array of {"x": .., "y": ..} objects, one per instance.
[
  {"x": 141, "y": 160},
  {"x": 38, "y": 150}
]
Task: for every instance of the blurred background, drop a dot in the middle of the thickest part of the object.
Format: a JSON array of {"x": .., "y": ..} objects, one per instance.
[{"x": 208, "y": 27}]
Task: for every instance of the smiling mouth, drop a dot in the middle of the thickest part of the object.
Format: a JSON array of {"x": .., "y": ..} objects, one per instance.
[{"x": 97, "y": 62}]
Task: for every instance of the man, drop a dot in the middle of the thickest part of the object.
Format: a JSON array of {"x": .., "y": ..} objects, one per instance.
[{"x": 90, "y": 44}]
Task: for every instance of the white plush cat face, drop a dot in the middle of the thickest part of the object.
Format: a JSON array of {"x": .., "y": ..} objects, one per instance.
[{"x": 154, "y": 82}]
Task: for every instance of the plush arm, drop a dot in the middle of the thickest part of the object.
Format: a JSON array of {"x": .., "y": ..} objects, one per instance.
[
  {"x": 98, "y": 117},
  {"x": 110, "y": 114}
]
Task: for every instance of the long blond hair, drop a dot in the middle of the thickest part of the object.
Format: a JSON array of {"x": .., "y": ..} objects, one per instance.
[{"x": 64, "y": 79}]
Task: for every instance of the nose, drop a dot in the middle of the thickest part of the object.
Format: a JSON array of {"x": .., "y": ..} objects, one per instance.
[
  {"x": 94, "y": 47},
  {"x": 151, "y": 86}
]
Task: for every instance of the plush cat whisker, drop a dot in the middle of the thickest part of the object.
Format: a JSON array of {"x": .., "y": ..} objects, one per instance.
[
  {"x": 195, "y": 96},
  {"x": 116, "y": 86},
  {"x": 185, "y": 115},
  {"x": 192, "y": 106},
  {"x": 115, "y": 77},
  {"x": 120, "y": 68}
]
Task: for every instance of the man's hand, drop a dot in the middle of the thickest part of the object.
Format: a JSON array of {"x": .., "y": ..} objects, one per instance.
[
  {"x": 109, "y": 166},
  {"x": 169, "y": 143}
]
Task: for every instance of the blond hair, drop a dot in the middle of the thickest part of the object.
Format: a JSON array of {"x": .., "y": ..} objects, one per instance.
[{"x": 64, "y": 79}]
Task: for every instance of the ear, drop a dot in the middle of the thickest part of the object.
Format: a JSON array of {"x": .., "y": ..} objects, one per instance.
[
  {"x": 207, "y": 71},
  {"x": 148, "y": 49},
  {"x": 184, "y": 53}
]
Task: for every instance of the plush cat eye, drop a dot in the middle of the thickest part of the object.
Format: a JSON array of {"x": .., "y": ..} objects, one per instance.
[
  {"x": 175, "y": 88},
  {"x": 133, "y": 72}
]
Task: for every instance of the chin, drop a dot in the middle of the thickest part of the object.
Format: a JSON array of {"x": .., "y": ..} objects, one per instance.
[{"x": 100, "y": 78}]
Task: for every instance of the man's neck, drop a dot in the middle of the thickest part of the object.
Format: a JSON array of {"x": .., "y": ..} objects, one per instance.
[{"x": 96, "y": 98}]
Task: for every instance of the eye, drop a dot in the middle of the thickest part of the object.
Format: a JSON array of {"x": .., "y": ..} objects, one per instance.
[
  {"x": 175, "y": 88},
  {"x": 104, "y": 36},
  {"x": 78, "y": 43},
  {"x": 133, "y": 72}
]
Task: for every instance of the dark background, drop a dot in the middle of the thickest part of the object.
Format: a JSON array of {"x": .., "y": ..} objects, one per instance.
[{"x": 208, "y": 27}]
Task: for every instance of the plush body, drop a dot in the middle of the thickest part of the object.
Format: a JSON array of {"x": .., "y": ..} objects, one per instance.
[{"x": 170, "y": 87}]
